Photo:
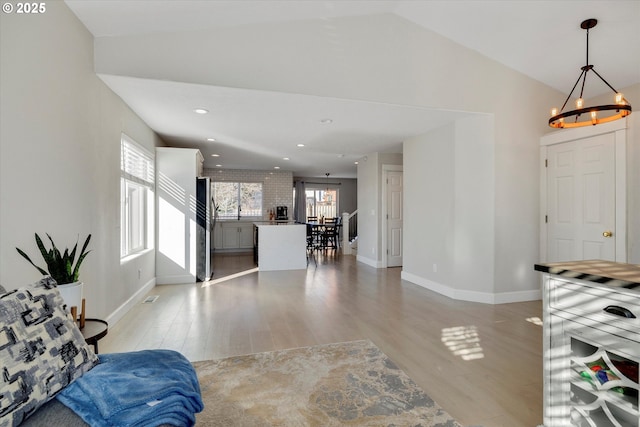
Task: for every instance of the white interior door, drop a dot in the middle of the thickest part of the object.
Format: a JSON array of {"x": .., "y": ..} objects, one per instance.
[
  {"x": 394, "y": 218},
  {"x": 581, "y": 204}
]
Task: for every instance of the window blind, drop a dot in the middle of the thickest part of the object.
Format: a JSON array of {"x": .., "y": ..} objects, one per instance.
[{"x": 136, "y": 163}]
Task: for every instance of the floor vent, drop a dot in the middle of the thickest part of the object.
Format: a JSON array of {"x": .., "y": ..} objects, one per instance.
[{"x": 150, "y": 299}]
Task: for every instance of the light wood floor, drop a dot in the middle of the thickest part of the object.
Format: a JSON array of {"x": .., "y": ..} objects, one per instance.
[{"x": 482, "y": 363}]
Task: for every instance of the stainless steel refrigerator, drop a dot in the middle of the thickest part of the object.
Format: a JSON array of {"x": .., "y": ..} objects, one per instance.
[{"x": 204, "y": 224}]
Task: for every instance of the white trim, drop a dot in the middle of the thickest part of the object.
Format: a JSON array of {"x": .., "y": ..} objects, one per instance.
[
  {"x": 621, "y": 195},
  {"x": 567, "y": 135},
  {"x": 428, "y": 284},
  {"x": 131, "y": 257},
  {"x": 472, "y": 296},
  {"x": 618, "y": 128},
  {"x": 386, "y": 168},
  {"x": 176, "y": 280},
  {"x": 517, "y": 296},
  {"x": 368, "y": 261},
  {"x": 119, "y": 312},
  {"x": 543, "y": 203}
]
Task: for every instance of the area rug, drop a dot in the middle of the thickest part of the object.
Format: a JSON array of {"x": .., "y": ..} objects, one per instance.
[{"x": 343, "y": 384}]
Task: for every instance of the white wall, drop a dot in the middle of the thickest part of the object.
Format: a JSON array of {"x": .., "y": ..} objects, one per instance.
[
  {"x": 370, "y": 209},
  {"x": 368, "y": 196},
  {"x": 451, "y": 212},
  {"x": 60, "y": 156},
  {"x": 475, "y": 209},
  {"x": 176, "y": 173},
  {"x": 429, "y": 207}
]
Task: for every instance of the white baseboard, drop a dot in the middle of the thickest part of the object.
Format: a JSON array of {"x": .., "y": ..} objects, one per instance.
[
  {"x": 175, "y": 280},
  {"x": 370, "y": 262},
  {"x": 518, "y": 296},
  {"x": 428, "y": 284},
  {"x": 119, "y": 312},
  {"x": 472, "y": 296}
]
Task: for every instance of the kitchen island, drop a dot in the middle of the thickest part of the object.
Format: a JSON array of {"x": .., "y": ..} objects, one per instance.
[{"x": 280, "y": 245}]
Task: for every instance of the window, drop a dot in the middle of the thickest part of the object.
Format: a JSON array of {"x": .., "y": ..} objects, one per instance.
[
  {"x": 136, "y": 197},
  {"x": 322, "y": 202},
  {"x": 238, "y": 199}
]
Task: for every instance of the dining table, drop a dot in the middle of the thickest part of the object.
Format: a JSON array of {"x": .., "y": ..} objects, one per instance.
[{"x": 323, "y": 234}]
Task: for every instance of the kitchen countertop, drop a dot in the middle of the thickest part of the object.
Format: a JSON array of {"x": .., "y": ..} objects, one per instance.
[
  {"x": 276, "y": 222},
  {"x": 614, "y": 274}
]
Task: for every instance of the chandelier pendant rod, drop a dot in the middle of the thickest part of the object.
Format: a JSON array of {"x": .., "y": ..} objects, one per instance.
[
  {"x": 605, "y": 82},
  {"x": 574, "y": 88},
  {"x": 586, "y": 68},
  {"x": 587, "y": 63}
]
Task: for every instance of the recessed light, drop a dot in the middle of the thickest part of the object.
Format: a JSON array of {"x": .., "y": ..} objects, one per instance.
[
  {"x": 326, "y": 121},
  {"x": 215, "y": 155},
  {"x": 286, "y": 158},
  {"x": 200, "y": 111},
  {"x": 355, "y": 163},
  {"x": 300, "y": 145},
  {"x": 211, "y": 139},
  {"x": 276, "y": 167},
  {"x": 218, "y": 166}
]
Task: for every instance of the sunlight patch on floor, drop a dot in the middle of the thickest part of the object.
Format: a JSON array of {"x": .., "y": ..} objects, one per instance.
[
  {"x": 231, "y": 276},
  {"x": 463, "y": 341},
  {"x": 535, "y": 320}
]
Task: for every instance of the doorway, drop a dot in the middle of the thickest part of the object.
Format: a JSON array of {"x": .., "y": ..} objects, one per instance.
[
  {"x": 583, "y": 194},
  {"x": 393, "y": 218}
]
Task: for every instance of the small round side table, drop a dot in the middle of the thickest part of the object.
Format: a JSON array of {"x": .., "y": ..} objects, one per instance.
[{"x": 93, "y": 331}]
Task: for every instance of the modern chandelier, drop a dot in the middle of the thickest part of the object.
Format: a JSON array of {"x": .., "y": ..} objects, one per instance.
[{"x": 594, "y": 115}]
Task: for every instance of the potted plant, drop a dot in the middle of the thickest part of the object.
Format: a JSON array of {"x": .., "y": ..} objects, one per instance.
[{"x": 63, "y": 267}]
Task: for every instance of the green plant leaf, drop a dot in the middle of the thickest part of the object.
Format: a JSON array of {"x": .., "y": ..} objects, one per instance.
[
  {"x": 41, "y": 270},
  {"x": 60, "y": 266},
  {"x": 76, "y": 271}
]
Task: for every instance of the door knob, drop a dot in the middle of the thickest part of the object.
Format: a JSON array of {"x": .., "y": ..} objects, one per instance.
[{"x": 607, "y": 234}]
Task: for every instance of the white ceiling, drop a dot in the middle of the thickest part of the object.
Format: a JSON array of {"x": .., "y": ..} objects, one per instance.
[{"x": 533, "y": 37}]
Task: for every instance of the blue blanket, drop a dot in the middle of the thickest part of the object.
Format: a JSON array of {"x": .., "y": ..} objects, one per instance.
[{"x": 145, "y": 388}]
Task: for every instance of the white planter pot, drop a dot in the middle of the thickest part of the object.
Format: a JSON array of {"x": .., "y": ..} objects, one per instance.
[{"x": 72, "y": 294}]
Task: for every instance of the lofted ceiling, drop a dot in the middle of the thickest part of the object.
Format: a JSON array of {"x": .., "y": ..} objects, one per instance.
[{"x": 538, "y": 38}]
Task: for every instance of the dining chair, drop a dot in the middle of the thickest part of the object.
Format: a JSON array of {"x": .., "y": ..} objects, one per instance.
[
  {"x": 330, "y": 236},
  {"x": 312, "y": 245}
]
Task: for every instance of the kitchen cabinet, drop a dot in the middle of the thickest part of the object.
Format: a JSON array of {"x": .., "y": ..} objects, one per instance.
[
  {"x": 233, "y": 235},
  {"x": 591, "y": 347}
]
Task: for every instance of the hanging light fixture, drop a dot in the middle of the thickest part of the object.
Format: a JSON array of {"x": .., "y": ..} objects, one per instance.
[
  {"x": 585, "y": 116},
  {"x": 325, "y": 198}
]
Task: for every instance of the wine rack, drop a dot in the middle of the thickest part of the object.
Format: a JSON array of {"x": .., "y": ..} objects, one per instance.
[
  {"x": 592, "y": 347},
  {"x": 604, "y": 386}
]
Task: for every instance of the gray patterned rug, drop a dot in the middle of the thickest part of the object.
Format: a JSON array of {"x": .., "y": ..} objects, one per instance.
[{"x": 344, "y": 384}]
